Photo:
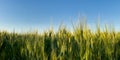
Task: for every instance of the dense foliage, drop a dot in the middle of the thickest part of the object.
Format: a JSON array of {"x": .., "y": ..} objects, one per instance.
[{"x": 80, "y": 44}]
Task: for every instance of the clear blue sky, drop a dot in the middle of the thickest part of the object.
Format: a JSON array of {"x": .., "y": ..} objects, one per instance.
[{"x": 23, "y": 14}]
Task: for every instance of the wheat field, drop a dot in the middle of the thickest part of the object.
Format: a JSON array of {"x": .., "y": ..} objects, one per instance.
[{"x": 79, "y": 44}]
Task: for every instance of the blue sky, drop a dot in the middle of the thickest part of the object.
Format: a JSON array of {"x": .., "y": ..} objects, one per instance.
[{"x": 25, "y": 14}]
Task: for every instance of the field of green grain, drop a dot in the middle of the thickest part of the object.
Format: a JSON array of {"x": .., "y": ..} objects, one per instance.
[{"x": 79, "y": 44}]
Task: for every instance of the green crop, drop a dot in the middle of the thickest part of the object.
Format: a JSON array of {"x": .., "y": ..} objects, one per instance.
[{"x": 79, "y": 44}]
